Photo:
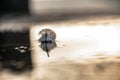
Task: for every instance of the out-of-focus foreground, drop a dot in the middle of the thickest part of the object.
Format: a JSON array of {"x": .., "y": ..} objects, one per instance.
[{"x": 88, "y": 39}]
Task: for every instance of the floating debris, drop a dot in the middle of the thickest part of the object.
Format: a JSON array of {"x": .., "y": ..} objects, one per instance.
[
  {"x": 47, "y": 40},
  {"x": 21, "y": 49}
]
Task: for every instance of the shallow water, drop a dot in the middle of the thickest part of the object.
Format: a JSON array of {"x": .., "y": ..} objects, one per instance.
[
  {"x": 86, "y": 51},
  {"x": 80, "y": 40}
]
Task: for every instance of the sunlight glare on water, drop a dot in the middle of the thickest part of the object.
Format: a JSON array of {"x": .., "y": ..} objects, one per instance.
[{"x": 82, "y": 41}]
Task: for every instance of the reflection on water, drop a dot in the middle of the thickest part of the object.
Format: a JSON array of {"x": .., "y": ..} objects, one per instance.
[
  {"x": 81, "y": 41},
  {"x": 91, "y": 51},
  {"x": 15, "y": 58},
  {"x": 105, "y": 70}
]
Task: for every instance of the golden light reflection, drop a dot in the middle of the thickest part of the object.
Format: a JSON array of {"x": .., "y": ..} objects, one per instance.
[
  {"x": 80, "y": 41},
  {"x": 84, "y": 51}
]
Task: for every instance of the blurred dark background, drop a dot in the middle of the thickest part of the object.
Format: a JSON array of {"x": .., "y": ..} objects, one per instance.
[
  {"x": 14, "y": 6},
  {"x": 14, "y": 45}
]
